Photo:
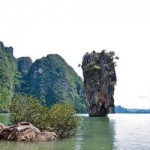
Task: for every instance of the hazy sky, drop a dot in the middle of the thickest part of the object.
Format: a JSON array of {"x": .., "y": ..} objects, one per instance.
[{"x": 70, "y": 28}]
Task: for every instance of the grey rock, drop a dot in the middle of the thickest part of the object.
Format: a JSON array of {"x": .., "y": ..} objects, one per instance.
[
  {"x": 99, "y": 81},
  {"x": 25, "y": 131}
]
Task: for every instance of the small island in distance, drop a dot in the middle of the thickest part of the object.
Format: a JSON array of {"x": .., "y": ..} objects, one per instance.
[{"x": 120, "y": 109}]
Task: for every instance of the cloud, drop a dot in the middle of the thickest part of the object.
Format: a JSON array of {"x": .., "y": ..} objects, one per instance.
[{"x": 143, "y": 97}]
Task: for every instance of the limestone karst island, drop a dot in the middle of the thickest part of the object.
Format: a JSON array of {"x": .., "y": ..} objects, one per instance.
[
  {"x": 43, "y": 97},
  {"x": 99, "y": 81}
]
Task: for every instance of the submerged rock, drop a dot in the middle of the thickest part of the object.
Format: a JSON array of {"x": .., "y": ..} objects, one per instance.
[
  {"x": 25, "y": 131},
  {"x": 99, "y": 80}
]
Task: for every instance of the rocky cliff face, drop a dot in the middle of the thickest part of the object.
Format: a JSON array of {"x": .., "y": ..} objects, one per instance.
[
  {"x": 24, "y": 63},
  {"x": 99, "y": 80}
]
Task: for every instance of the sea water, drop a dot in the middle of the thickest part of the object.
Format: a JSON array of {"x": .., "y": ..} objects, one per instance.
[{"x": 115, "y": 132}]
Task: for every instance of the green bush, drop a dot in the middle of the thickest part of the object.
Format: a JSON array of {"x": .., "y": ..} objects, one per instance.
[
  {"x": 26, "y": 108},
  {"x": 60, "y": 117},
  {"x": 63, "y": 119},
  {"x": 92, "y": 67}
]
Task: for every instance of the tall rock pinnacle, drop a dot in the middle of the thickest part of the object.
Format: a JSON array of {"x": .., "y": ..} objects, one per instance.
[{"x": 99, "y": 81}]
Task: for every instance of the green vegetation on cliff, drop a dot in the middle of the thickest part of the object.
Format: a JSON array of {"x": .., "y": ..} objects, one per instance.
[
  {"x": 8, "y": 76},
  {"x": 50, "y": 79},
  {"x": 23, "y": 65}
]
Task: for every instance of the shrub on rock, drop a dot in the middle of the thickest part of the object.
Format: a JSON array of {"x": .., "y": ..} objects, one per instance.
[{"x": 59, "y": 118}]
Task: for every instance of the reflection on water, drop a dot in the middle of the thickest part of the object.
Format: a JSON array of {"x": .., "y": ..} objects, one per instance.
[
  {"x": 115, "y": 132},
  {"x": 95, "y": 134}
]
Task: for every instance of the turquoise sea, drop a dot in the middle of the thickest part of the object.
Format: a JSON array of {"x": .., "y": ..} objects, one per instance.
[{"x": 115, "y": 132}]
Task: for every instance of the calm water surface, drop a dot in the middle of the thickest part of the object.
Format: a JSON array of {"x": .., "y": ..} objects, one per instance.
[{"x": 115, "y": 132}]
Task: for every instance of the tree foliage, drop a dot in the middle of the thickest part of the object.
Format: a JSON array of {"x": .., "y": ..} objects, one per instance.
[
  {"x": 60, "y": 117},
  {"x": 8, "y": 78},
  {"x": 63, "y": 119}
]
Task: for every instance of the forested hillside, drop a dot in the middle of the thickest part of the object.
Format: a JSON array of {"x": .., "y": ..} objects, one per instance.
[{"x": 50, "y": 79}]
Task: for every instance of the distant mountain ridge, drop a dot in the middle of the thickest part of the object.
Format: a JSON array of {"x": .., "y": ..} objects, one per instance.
[
  {"x": 120, "y": 109},
  {"x": 50, "y": 79}
]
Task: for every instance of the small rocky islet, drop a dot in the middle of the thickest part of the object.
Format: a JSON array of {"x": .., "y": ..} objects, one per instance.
[{"x": 99, "y": 81}]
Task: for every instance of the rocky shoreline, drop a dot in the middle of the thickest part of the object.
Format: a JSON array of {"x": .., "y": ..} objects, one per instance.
[{"x": 25, "y": 131}]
